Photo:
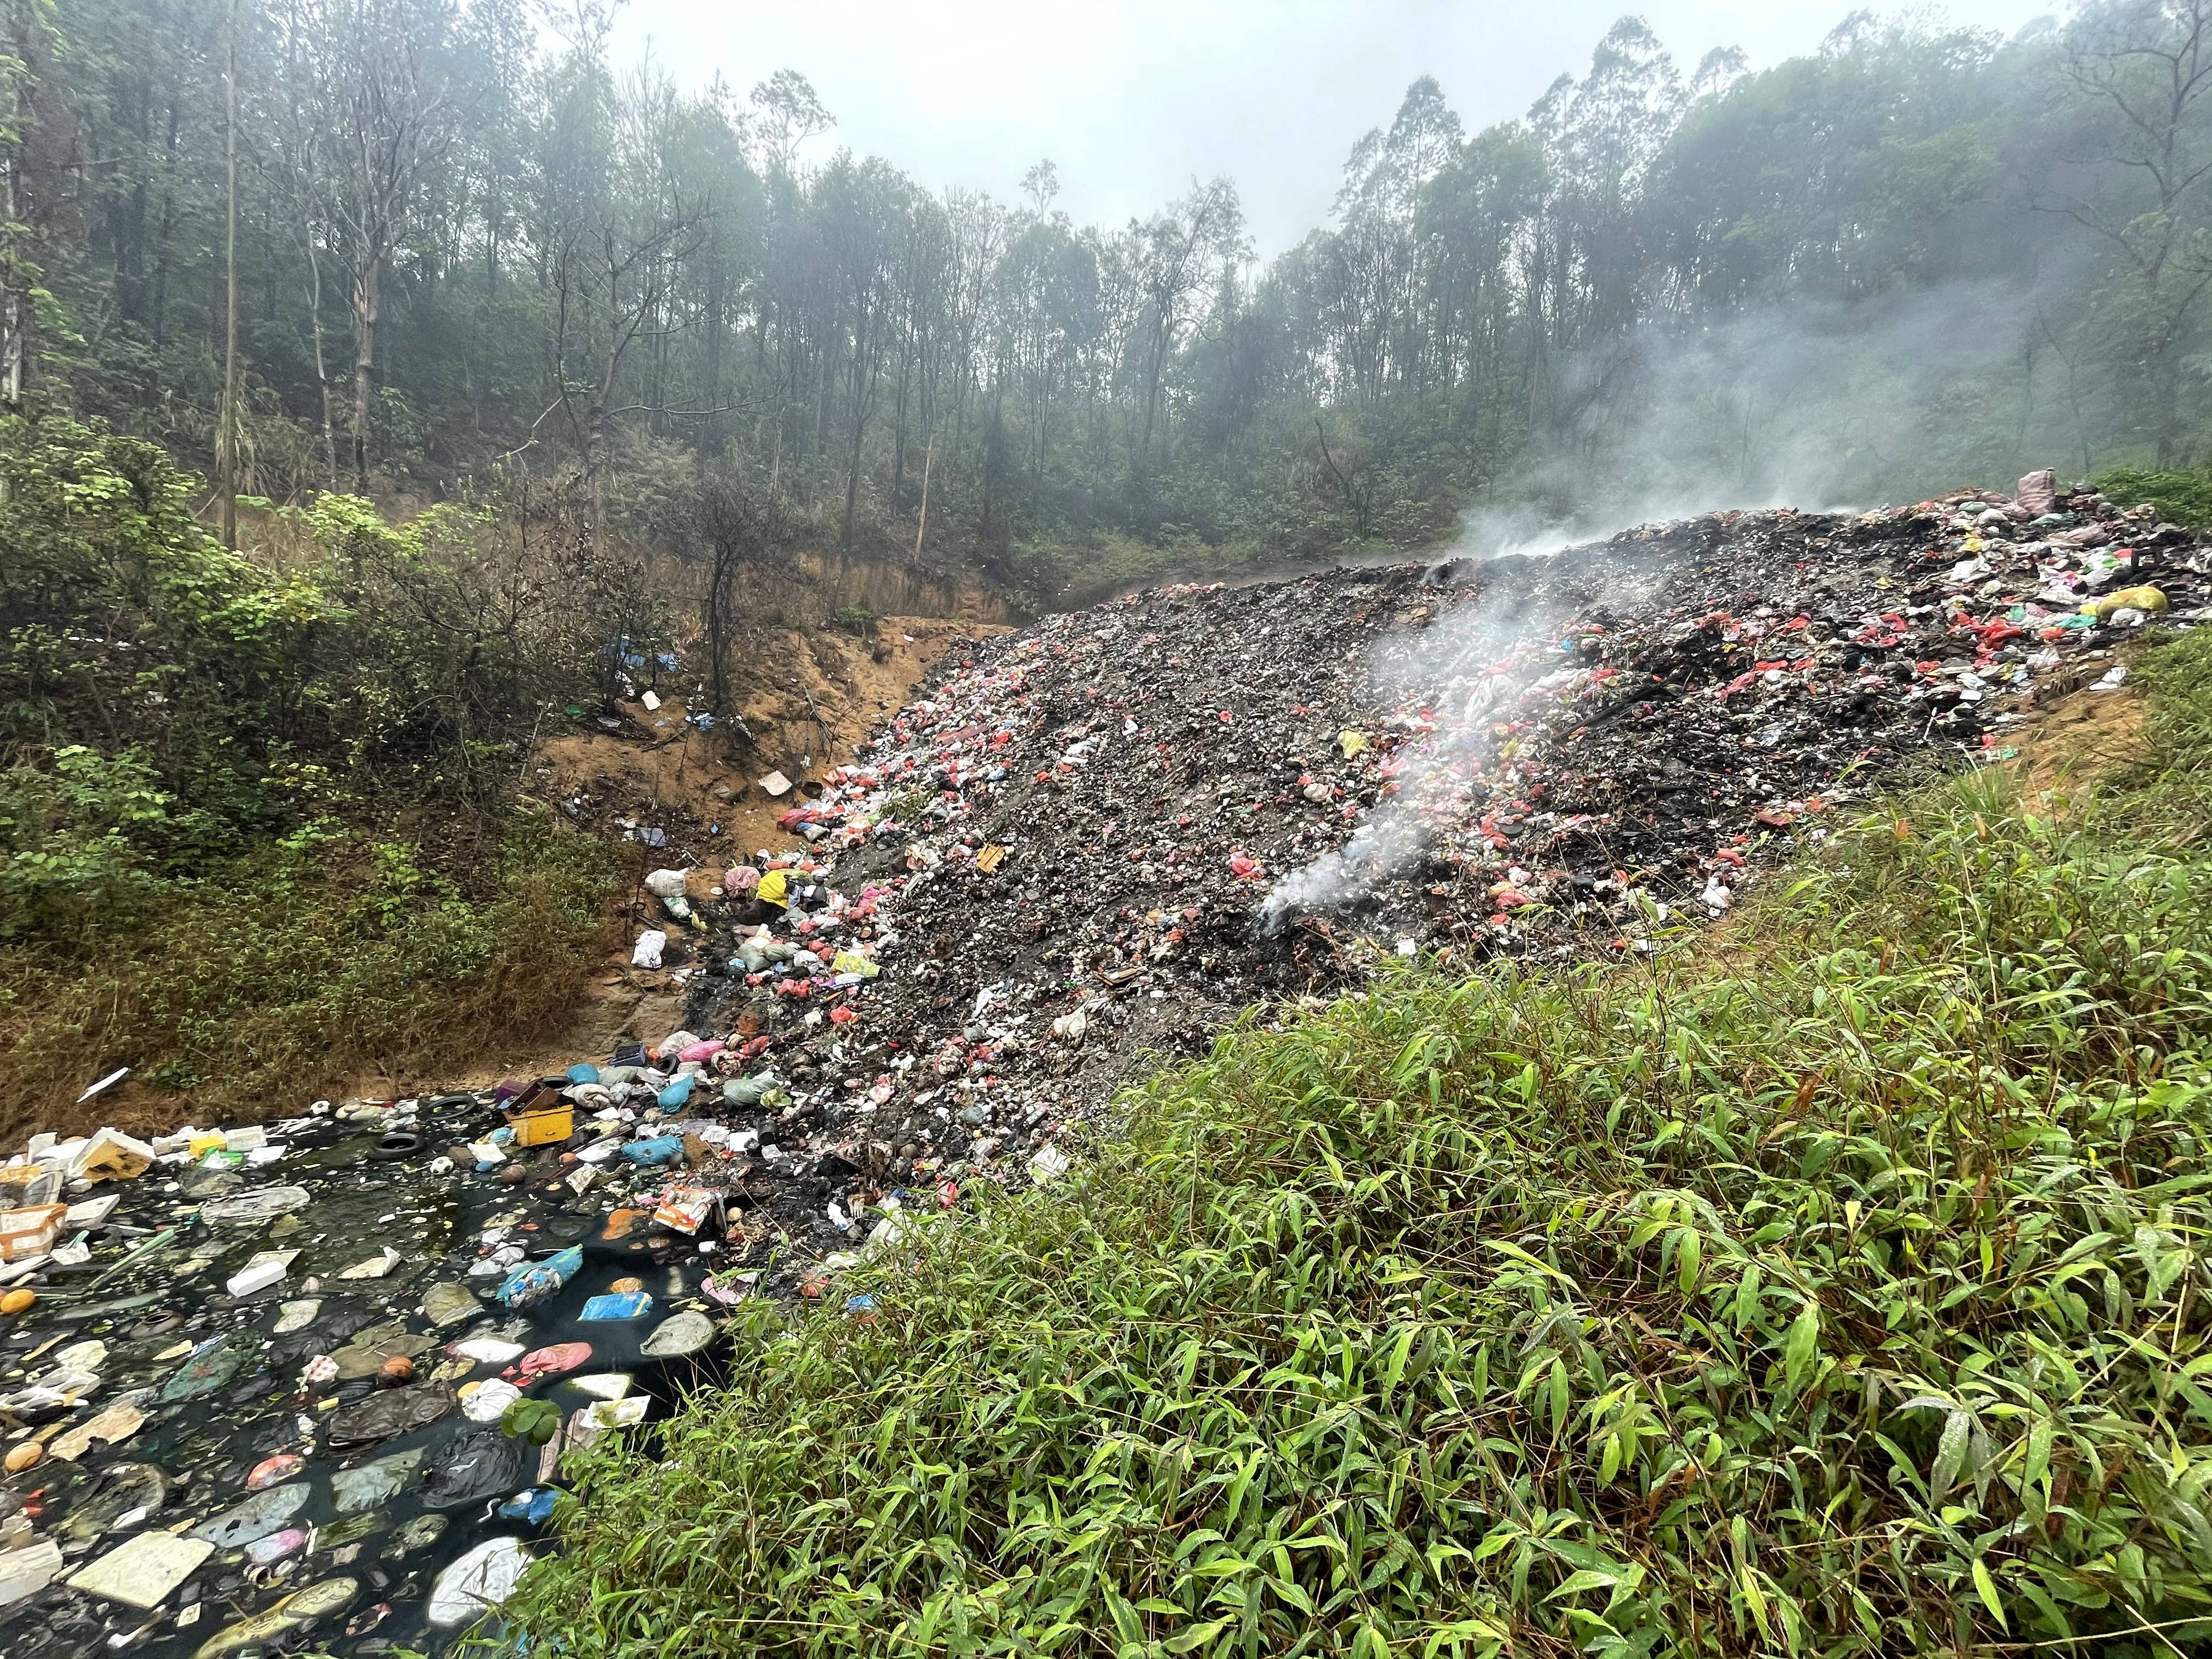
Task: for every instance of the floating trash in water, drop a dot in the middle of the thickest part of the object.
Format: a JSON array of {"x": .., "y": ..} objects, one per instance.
[
  {"x": 552, "y": 1361},
  {"x": 272, "y": 1470},
  {"x": 296, "y": 1612},
  {"x": 276, "y": 1547},
  {"x": 27, "y": 1570},
  {"x": 260, "y": 1515},
  {"x": 478, "y": 1582},
  {"x": 477, "y": 1465},
  {"x": 448, "y": 1305},
  {"x": 487, "y": 1351},
  {"x": 687, "y": 1332},
  {"x": 616, "y": 1304},
  {"x": 617, "y": 1413},
  {"x": 141, "y": 1571},
  {"x": 122, "y": 1495},
  {"x": 600, "y": 1385},
  {"x": 395, "y": 1412},
  {"x": 210, "y": 1366},
  {"x": 117, "y": 1424},
  {"x": 367, "y": 1352},
  {"x": 251, "y": 1208},
  {"x": 535, "y": 1506},
  {"x": 247, "y": 1420},
  {"x": 488, "y": 1401},
  {"x": 373, "y": 1484}
]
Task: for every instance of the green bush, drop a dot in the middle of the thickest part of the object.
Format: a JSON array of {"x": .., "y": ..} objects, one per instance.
[
  {"x": 72, "y": 857},
  {"x": 2183, "y": 497},
  {"x": 249, "y": 805},
  {"x": 1854, "y": 1306},
  {"x": 242, "y": 696}
]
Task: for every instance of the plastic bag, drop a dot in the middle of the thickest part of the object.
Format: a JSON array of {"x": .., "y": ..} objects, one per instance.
[{"x": 532, "y": 1282}]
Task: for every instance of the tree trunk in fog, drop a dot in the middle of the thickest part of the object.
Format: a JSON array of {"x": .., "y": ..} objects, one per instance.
[
  {"x": 928, "y": 454},
  {"x": 226, "y": 438},
  {"x": 367, "y": 303}
]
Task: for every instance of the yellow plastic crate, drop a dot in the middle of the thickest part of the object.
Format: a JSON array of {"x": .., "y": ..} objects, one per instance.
[{"x": 536, "y": 1128}]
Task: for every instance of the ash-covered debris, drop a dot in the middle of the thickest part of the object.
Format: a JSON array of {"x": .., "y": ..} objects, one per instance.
[{"x": 1102, "y": 837}]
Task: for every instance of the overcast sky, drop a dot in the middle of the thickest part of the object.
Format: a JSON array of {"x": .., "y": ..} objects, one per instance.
[{"x": 1133, "y": 99}]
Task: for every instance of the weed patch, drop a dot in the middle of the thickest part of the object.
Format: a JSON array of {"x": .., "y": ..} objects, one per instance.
[{"x": 328, "y": 954}]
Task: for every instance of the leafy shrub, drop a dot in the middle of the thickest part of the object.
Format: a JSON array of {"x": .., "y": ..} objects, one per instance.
[
  {"x": 2183, "y": 497},
  {"x": 1857, "y": 1306},
  {"x": 72, "y": 840},
  {"x": 203, "y": 758},
  {"x": 247, "y": 695}
]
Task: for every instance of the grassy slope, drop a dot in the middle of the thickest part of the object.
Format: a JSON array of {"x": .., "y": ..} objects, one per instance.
[
  {"x": 1857, "y": 1306},
  {"x": 242, "y": 997}
]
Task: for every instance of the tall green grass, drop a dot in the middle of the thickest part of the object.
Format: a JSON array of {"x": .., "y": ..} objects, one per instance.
[{"x": 1853, "y": 1304}]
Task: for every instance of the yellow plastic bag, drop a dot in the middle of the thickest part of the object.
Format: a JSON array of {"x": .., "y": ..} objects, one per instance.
[{"x": 2128, "y": 598}]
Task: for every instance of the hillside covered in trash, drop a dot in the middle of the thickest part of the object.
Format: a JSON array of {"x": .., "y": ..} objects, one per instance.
[
  {"x": 1827, "y": 1282},
  {"x": 1098, "y": 840}
]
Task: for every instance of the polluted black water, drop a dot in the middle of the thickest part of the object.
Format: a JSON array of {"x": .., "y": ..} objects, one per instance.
[{"x": 309, "y": 1385}]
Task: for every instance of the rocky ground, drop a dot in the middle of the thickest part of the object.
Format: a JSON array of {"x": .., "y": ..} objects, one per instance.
[{"x": 289, "y": 1386}]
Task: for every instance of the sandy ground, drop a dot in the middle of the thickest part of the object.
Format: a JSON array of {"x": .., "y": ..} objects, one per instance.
[
  {"x": 823, "y": 696},
  {"x": 2080, "y": 738}
]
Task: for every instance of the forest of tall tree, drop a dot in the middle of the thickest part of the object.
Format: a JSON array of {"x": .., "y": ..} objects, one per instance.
[{"x": 469, "y": 249}]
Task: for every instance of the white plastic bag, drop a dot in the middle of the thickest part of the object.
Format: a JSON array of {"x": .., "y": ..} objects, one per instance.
[{"x": 647, "y": 953}]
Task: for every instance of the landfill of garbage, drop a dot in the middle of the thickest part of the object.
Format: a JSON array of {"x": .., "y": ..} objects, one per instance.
[
  {"x": 1100, "y": 839},
  {"x": 311, "y": 1382}
]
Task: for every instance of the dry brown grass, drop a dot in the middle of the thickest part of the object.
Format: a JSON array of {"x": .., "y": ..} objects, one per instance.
[{"x": 237, "y": 1004}]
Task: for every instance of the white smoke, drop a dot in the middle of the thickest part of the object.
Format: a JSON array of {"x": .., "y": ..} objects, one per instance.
[
  {"x": 1830, "y": 407},
  {"x": 1467, "y": 668}
]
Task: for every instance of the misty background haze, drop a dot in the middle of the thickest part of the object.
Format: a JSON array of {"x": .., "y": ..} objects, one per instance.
[
  {"x": 1136, "y": 99},
  {"x": 1062, "y": 303}
]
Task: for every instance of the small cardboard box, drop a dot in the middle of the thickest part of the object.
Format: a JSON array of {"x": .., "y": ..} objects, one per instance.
[{"x": 30, "y": 1232}]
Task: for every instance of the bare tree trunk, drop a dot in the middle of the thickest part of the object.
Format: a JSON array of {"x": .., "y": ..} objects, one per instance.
[
  {"x": 322, "y": 363},
  {"x": 928, "y": 454},
  {"x": 853, "y": 477},
  {"x": 717, "y": 300},
  {"x": 11, "y": 307},
  {"x": 367, "y": 300},
  {"x": 226, "y": 438},
  {"x": 594, "y": 455},
  {"x": 162, "y": 246}
]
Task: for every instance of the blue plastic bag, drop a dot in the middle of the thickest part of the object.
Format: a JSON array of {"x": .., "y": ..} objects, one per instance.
[
  {"x": 532, "y": 1282},
  {"x": 616, "y": 1304},
  {"x": 652, "y": 1154},
  {"x": 534, "y": 1505}
]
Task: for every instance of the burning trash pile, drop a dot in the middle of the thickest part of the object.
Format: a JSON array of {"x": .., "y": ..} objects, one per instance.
[
  {"x": 1102, "y": 837},
  {"x": 312, "y": 1381}
]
